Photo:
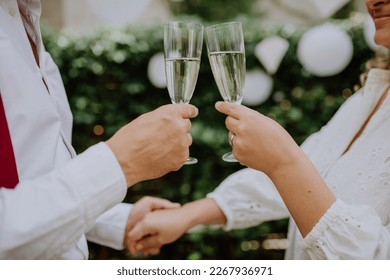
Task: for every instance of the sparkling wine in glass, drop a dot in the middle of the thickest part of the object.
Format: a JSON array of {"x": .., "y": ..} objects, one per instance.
[
  {"x": 226, "y": 52},
  {"x": 182, "y": 52}
]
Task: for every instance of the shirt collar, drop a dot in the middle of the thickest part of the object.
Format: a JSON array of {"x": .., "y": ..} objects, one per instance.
[
  {"x": 378, "y": 80},
  {"x": 15, "y": 17},
  {"x": 377, "y": 75},
  {"x": 31, "y": 9}
]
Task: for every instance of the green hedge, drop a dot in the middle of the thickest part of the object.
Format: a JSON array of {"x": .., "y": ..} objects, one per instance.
[{"x": 105, "y": 75}]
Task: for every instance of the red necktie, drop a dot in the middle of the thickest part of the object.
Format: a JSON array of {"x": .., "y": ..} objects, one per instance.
[{"x": 8, "y": 172}]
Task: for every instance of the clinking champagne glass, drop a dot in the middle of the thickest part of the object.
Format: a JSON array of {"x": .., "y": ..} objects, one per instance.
[
  {"x": 226, "y": 52},
  {"x": 182, "y": 52}
]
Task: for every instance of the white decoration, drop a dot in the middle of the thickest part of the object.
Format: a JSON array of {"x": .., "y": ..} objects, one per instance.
[
  {"x": 270, "y": 52},
  {"x": 156, "y": 71},
  {"x": 318, "y": 9},
  {"x": 325, "y": 50},
  {"x": 258, "y": 87},
  {"x": 118, "y": 12}
]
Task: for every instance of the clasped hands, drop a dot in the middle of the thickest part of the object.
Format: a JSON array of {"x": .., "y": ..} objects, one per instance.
[{"x": 152, "y": 223}]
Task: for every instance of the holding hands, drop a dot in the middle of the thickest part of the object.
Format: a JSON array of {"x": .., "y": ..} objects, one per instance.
[
  {"x": 161, "y": 227},
  {"x": 156, "y": 229},
  {"x": 142, "y": 211}
]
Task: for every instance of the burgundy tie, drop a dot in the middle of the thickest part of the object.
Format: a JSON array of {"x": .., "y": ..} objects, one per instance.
[{"x": 8, "y": 172}]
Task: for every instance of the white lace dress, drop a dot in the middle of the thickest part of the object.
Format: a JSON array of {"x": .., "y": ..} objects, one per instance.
[{"x": 356, "y": 226}]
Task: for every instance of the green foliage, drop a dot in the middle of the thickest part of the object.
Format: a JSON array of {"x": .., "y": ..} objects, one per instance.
[
  {"x": 212, "y": 10},
  {"x": 105, "y": 75}
]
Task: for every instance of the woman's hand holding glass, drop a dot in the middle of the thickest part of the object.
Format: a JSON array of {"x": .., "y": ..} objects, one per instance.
[{"x": 226, "y": 51}]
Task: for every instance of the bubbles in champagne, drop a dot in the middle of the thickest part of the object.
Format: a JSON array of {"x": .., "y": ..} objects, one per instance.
[
  {"x": 229, "y": 73},
  {"x": 182, "y": 74}
]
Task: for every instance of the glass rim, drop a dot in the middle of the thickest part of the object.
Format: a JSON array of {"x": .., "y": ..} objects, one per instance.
[
  {"x": 220, "y": 25},
  {"x": 180, "y": 24}
]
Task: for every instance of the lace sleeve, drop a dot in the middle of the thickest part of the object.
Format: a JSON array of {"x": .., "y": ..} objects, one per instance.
[
  {"x": 348, "y": 232},
  {"x": 248, "y": 198}
]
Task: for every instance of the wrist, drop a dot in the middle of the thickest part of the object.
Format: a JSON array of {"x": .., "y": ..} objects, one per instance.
[
  {"x": 291, "y": 159},
  {"x": 204, "y": 211},
  {"x": 304, "y": 191},
  {"x": 131, "y": 175}
]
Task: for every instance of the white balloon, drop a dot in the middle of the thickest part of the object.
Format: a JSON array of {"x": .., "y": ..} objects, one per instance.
[
  {"x": 270, "y": 52},
  {"x": 325, "y": 50},
  {"x": 156, "y": 71},
  {"x": 258, "y": 87},
  {"x": 119, "y": 12}
]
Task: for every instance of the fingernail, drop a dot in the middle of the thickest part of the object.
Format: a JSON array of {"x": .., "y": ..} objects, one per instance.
[{"x": 139, "y": 247}]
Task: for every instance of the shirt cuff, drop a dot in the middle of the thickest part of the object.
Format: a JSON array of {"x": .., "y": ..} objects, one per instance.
[
  {"x": 323, "y": 224},
  {"x": 99, "y": 181},
  {"x": 346, "y": 231},
  {"x": 109, "y": 228}
]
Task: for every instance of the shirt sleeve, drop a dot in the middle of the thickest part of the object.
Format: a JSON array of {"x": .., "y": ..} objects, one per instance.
[
  {"x": 248, "y": 198},
  {"x": 44, "y": 217},
  {"x": 348, "y": 231},
  {"x": 109, "y": 228}
]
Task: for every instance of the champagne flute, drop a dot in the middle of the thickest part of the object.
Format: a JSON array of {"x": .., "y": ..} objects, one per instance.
[
  {"x": 182, "y": 52},
  {"x": 226, "y": 52}
]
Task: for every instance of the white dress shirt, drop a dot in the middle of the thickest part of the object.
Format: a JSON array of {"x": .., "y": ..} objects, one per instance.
[
  {"x": 61, "y": 197},
  {"x": 357, "y": 225}
]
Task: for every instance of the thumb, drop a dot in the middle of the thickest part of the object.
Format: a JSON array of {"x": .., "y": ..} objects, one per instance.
[
  {"x": 188, "y": 111},
  {"x": 160, "y": 203},
  {"x": 229, "y": 109}
]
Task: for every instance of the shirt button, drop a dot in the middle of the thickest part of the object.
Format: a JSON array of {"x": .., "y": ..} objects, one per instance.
[{"x": 11, "y": 11}]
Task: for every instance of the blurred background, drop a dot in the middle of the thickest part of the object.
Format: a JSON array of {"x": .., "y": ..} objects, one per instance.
[{"x": 304, "y": 59}]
